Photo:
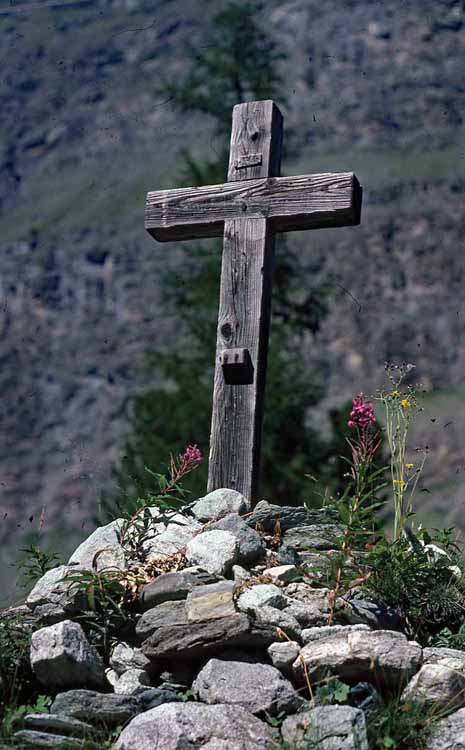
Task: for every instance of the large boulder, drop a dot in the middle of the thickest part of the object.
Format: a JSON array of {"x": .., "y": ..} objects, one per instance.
[
  {"x": 354, "y": 654},
  {"x": 256, "y": 687},
  {"x": 326, "y": 728},
  {"x": 216, "y": 551},
  {"x": 219, "y": 503},
  {"x": 101, "y": 549},
  {"x": 61, "y": 656},
  {"x": 198, "y": 727}
]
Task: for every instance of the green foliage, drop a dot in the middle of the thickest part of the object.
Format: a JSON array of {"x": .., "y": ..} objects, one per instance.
[
  {"x": 424, "y": 587},
  {"x": 448, "y": 639},
  {"x": 393, "y": 725},
  {"x": 14, "y": 715},
  {"x": 105, "y": 617},
  {"x": 332, "y": 691},
  {"x": 36, "y": 563}
]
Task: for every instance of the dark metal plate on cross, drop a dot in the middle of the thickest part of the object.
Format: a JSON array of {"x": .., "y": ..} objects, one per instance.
[{"x": 247, "y": 211}]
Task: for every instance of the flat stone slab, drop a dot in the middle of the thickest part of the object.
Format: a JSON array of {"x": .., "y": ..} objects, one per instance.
[
  {"x": 267, "y": 515},
  {"x": 59, "y": 724},
  {"x": 166, "y": 614},
  {"x": 256, "y": 687},
  {"x": 49, "y": 741},
  {"x": 174, "y": 586},
  {"x": 355, "y": 654},
  {"x": 204, "y": 638},
  {"x": 96, "y": 708},
  {"x": 211, "y": 601},
  {"x": 197, "y": 727}
]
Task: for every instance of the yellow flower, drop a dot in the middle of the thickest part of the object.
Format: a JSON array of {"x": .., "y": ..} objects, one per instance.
[
  {"x": 400, "y": 482},
  {"x": 405, "y": 403},
  {"x": 396, "y": 394},
  {"x": 409, "y": 466}
]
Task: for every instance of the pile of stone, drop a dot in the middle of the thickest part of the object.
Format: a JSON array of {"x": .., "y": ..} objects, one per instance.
[{"x": 224, "y": 650}]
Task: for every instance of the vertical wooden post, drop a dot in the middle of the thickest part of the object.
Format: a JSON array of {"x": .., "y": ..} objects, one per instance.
[{"x": 245, "y": 307}]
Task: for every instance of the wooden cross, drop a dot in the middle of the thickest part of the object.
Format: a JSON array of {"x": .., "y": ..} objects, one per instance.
[{"x": 247, "y": 211}]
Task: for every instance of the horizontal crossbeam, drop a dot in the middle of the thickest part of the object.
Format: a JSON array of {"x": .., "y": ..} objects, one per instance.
[{"x": 302, "y": 202}]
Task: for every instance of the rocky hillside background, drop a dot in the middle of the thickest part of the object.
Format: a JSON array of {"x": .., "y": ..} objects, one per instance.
[{"x": 86, "y": 130}]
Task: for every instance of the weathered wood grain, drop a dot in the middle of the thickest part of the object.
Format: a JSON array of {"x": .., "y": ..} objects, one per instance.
[
  {"x": 244, "y": 312},
  {"x": 289, "y": 203},
  {"x": 248, "y": 210}
]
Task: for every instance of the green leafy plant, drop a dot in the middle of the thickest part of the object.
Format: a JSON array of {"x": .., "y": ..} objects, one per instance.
[
  {"x": 400, "y": 406},
  {"x": 357, "y": 505},
  {"x": 446, "y": 638},
  {"x": 14, "y": 715},
  {"x": 36, "y": 563},
  {"x": 397, "y": 725},
  {"x": 105, "y": 616},
  {"x": 426, "y": 590},
  {"x": 331, "y": 691}
]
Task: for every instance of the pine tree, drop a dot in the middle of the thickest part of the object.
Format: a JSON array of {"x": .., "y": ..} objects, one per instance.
[{"x": 239, "y": 62}]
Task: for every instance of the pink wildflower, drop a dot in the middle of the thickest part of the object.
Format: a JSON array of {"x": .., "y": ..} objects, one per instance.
[
  {"x": 191, "y": 455},
  {"x": 362, "y": 414}
]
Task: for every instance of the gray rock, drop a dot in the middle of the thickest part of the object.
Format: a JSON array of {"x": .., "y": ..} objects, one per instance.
[
  {"x": 256, "y": 687},
  {"x": 219, "y": 503},
  {"x": 435, "y": 654},
  {"x": 61, "y": 656},
  {"x": 215, "y": 551},
  {"x": 314, "y": 634},
  {"x": 132, "y": 682},
  {"x": 311, "y": 607},
  {"x": 59, "y": 724},
  {"x": 439, "y": 685},
  {"x": 282, "y": 573},
  {"x": 326, "y": 728},
  {"x": 203, "y": 639},
  {"x": 267, "y": 515},
  {"x": 163, "y": 615},
  {"x": 50, "y": 614},
  {"x": 49, "y": 741},
  {"x": 251, "y": 545},
  {"x": 211, "y": 601},
  {"x": 124, "y": 657},
  {"x": 321, "y": 536},
  {"x": 448, "y": 733},
  {"x": 240, "y": 574},
  {"x": 153, "y": 697},
  {"x": 173, "y": 539},
  {"x": 279, "y": 619},
  {"x": 283, "y": 655},
  {"x": 101, "y": 549},
  {"x": 97, "y": 708},
  {"x": 195, "y": 726},
  {"x": 52, "y": 590},
  {"x": 173, "y": 586},
  {"x": 377, "y": 616},
  {"x": 354, "y": 654},
  {"x": 261, "y": 595}
]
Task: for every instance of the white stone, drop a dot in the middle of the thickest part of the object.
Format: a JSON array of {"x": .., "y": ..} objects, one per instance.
[
  {"x": 283, "y": 573},
  {"x": 262, "y": 595},
  {"x": 101, "y": 549},
  {"x": 219, "y": 503},
  {"x": 215, "y": 551},
  {"x": 61, "y": 656}
]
